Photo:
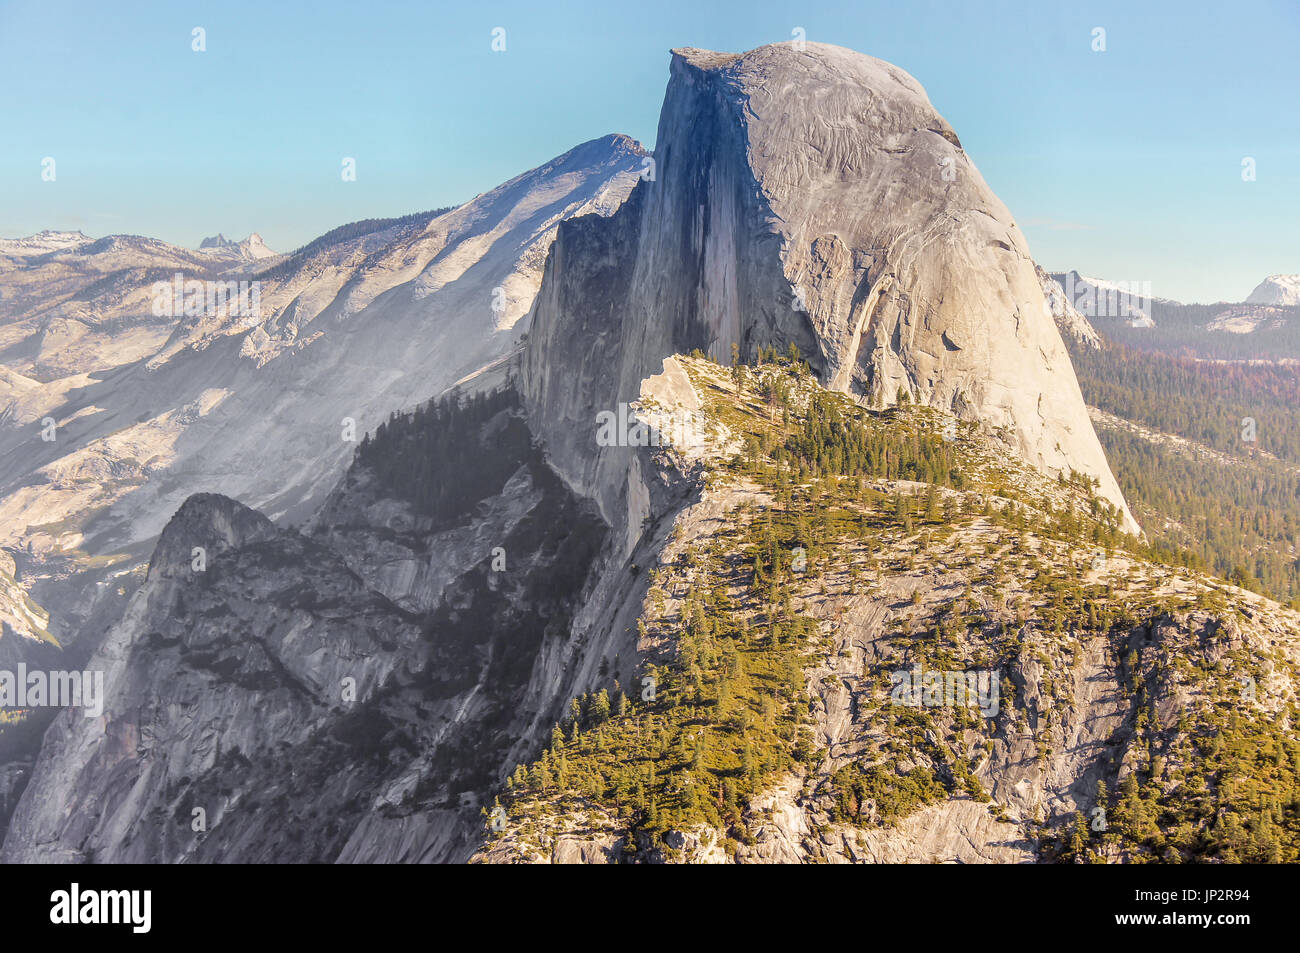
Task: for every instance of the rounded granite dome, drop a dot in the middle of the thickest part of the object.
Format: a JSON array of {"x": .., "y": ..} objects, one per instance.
[{"x": 813, "y": 195}]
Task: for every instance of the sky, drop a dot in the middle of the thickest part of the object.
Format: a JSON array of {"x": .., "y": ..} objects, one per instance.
[{"x": 1124, "y": 163}]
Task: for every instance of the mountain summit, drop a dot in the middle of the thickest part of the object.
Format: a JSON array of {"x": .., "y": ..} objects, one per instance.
[
  {"x": 1277, "y": 289},
  {"x": 811, "y": 197},
  {"x": 251, "y": 248}
]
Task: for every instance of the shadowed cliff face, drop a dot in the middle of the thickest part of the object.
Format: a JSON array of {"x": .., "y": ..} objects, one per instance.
[
  {"x": 348, "y": 693},
  {"x": 810, "y": 197}
]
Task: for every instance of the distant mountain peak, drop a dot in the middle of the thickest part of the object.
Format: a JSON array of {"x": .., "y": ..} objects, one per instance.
[
  {"x": 1276, "y": 289},
  {"x": 49, "y": 239},
  {"x": 251, "y": 247},
  {"x": 624, "y": 142}
]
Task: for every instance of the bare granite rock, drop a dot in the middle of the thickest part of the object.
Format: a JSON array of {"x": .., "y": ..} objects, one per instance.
[{"x": 810, "y": 197}]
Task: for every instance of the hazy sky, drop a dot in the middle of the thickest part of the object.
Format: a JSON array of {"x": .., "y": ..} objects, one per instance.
[{"x": 1125, "y": 164}]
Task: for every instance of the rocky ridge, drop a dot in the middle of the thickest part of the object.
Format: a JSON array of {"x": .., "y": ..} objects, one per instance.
[{"x": 147, "y": 410}]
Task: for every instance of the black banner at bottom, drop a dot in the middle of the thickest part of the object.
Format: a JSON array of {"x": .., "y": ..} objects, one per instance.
[{"x": 332, "y": 904}]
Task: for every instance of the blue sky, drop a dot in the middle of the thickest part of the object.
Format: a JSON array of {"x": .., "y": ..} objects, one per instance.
[{"x": 1124, "y": 164}]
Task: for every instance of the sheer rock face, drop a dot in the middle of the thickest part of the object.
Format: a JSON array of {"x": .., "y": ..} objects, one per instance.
[
  {"x": 351, "y": 692},
  {"x": 812, "y": 197},
  {"x": 217, "y": 684}
]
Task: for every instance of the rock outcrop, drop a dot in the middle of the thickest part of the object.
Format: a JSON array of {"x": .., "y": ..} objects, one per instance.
[{"x": 251, "y": 248}]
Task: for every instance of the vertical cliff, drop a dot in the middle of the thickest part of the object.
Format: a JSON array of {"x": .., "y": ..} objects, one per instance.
[{"x": 810, "y": 197}]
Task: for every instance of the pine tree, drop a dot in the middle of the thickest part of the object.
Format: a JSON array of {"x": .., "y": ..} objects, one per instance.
[{"x": 599, "y": 708}]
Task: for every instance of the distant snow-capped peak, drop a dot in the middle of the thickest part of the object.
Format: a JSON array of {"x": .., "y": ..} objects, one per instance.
[
  {"x": 42, "y": 242},
  {"x": 1277, "y": 289}
]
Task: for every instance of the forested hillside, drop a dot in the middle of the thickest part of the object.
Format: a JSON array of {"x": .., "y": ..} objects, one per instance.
[
  {"x": 835, "y": 548},
  {"x": 1183, "y": 330},
  {"x": 1209, "y": 458}
]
